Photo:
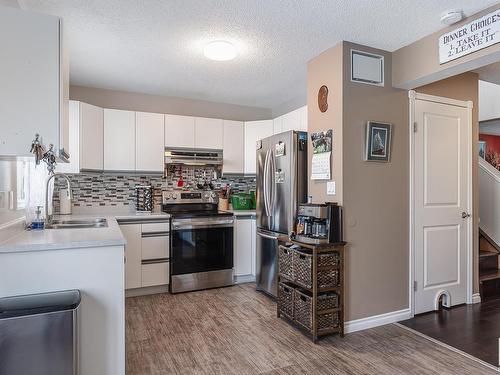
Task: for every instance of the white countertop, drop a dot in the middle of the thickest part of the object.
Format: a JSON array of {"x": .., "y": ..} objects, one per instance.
[{"x": 60, "y": 239}]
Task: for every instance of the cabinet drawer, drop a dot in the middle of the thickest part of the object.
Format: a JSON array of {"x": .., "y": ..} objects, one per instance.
[
  {"x": 155, "y": 246},
  {"x": 155, "y": 274},
  {"x": 155, "y": 227}
]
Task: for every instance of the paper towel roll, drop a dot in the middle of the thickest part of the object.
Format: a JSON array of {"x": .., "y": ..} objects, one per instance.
[{"x": 65, "y": 202}]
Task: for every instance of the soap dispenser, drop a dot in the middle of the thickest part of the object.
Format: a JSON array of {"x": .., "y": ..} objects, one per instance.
[{"x": 38, "y": 223}]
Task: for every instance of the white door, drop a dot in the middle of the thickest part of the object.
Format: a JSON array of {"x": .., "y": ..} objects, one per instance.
[
  {"x": 441, "y": 198},
  {"x": 149, "y": 141}
]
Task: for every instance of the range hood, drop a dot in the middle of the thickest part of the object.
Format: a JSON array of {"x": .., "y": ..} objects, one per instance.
[{"x": 192, "y": 156}]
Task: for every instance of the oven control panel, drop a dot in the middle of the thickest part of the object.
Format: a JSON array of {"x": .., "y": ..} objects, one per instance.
[{"x": 207, "y": 196}]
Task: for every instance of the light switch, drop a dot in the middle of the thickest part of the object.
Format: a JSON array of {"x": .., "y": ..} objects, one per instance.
[{"x": 330, "y": 188}]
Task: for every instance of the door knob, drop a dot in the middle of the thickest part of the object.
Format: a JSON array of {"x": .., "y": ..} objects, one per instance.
[{"x": 465, "y": 215}]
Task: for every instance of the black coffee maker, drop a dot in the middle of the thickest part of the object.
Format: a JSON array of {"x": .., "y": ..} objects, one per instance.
[{"x": 319, "y": 223}]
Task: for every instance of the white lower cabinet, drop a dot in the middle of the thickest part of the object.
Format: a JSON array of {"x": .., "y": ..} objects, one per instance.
[
  {"x": 133, "y": 256},
  {"x": 154, "y": 274},
  {"x": 147, "y": 254},
  {"x": 244, "y": 248}
]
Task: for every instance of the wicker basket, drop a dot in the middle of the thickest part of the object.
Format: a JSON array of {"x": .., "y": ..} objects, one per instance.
[
  {"x": 285, "y": 257},
  {"x": 302, "y": 270},
  {"x": 303, "y": 310},
  {"x": 286, "y": 294},
  {"x": 329, "y": 260}
]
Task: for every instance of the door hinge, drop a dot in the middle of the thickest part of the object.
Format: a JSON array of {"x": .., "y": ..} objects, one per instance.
[
  {"x": 415, "y": 286},
  {"x": 414, "y": 127}
]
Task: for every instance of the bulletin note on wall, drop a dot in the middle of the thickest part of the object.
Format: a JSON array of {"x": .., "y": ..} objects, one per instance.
[{"x": 322, "y": 155}]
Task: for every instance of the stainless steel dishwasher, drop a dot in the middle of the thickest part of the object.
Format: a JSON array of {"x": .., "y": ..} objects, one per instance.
[{"x": 39, "y": 333}]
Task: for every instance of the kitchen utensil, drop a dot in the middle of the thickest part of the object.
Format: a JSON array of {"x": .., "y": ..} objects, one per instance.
[{"x": 180, "y": 183}]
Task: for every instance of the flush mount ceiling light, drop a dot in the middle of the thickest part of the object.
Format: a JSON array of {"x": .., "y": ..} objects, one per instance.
[
  {"x": 220, "y": 50},
  {"x": 452, "y": 16}
]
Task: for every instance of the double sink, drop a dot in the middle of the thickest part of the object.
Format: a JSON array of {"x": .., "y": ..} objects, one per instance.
[{"x": 77, "y": 224}]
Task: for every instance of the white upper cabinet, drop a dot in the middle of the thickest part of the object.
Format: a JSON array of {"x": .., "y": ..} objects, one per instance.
[
  {"x": 33, "y": 83},
  {"x": 254, "y": 131},
  {"x": 74, "y": 140},
  {"x": 149, "y": 141},
  {"x": 119, "y": 140},
  {"x": 179, "y": 131},
  {"x": 278, "y": 125},
  {"x": 91, "y": 122},
  {"x": 291, "y": 121},
  {"x": 234, "y": 147},
  {"x": 208, "y": 133}
]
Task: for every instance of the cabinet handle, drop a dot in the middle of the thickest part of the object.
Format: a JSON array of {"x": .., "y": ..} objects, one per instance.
[
  {"x": 155, "y": 261},
  {"x": 155, "y": 234}
]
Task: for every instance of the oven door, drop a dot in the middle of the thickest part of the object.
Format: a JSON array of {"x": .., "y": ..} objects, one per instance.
[{"x": 201, "y": 245}]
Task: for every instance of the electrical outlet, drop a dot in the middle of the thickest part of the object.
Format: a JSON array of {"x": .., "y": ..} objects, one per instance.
[{"x": 330, "y": 188}]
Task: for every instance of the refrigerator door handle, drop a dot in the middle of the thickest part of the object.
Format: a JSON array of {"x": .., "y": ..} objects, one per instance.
[
  {"x": 266, "y": 184},
  {"x": 273, "y": 182},
  {"x": 260, "y": 234}
]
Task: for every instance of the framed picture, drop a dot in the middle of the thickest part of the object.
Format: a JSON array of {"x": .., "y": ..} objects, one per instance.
[
  {"x": 378, "y": 141},
  {"x": 482, "y": 149}
]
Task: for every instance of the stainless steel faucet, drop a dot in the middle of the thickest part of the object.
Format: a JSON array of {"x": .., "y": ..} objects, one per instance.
[{"x": 48, "y": 218}]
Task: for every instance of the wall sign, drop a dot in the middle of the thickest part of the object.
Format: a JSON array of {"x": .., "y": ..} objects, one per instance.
[{"x": 474, "y": 36}]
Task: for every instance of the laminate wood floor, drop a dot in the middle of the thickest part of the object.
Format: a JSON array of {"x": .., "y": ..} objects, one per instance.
[
  {"x": 235, "y": 331},
  {"x": 474, "y": 329}
]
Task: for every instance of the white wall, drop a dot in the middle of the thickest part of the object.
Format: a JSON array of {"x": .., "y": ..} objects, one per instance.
[{"x": 489, "y": 200}]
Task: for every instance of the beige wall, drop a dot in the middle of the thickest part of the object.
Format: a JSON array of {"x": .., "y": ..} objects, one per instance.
[
  {"x": 326, "y": 69},
  {"x": 165, "y": 104},
  {"x": 374, "y": 195},
  {"x": 418, "y": 63},
  {"x": 465, "y": 87}
]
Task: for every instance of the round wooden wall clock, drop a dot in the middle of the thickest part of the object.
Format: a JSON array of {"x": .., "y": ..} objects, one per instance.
[{"x": 323, "y": 98}]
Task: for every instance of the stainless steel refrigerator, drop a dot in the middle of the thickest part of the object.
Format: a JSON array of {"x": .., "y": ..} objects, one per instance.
[{"x": 281, "y": 187}]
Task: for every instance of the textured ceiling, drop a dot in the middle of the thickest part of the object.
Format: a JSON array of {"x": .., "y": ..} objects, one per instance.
[{"x": 155, "y": 46}]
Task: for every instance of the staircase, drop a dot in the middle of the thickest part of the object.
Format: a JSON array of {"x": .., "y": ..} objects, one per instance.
[
  {"x": 489, "y": 230},
  {"x": 489, "y": 272}
]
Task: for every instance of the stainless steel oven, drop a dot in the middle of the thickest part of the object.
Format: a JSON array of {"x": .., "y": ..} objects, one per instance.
[{"x": 201, "y": 246}]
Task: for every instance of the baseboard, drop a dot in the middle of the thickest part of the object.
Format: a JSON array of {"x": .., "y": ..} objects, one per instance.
[
  {"x": 244, "y": 279},
  {"x": 146, "y": 291},
  {"x": 476, "y": 298},
  {"x": 377, "y": 320}
]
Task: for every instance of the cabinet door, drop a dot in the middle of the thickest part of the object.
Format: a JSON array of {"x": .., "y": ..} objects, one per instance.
[
  {"x": 91, "y": 137},
  {"x": 179, "y": 131},
  {"x": 303, "y": 118},
  {"x": 243, "y": 247},
  {"x": 208, "y": 133},
  {"x": 278, "y": 125},
  {"x": 133, "y": 256},
  {"x": 73, "y": 166},
  {"x": 30, "y": 80},
  {"x": 234, "y": 147},
  {"x": 119, "y": 140},
  {"x": 149, "y": 141},
  {"x": 254, "y": 131},
  {"x": 291, "y": 121}
]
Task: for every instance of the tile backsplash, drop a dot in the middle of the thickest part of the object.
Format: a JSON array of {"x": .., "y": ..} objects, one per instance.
[{"x": 118, "y": 190}]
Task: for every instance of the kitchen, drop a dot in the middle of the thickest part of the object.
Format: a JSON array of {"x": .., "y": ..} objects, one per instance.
[{"x": 163, "y": 211}]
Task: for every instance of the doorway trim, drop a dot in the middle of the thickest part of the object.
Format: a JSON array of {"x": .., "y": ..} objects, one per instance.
[{"x": 413, "y": 95}]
